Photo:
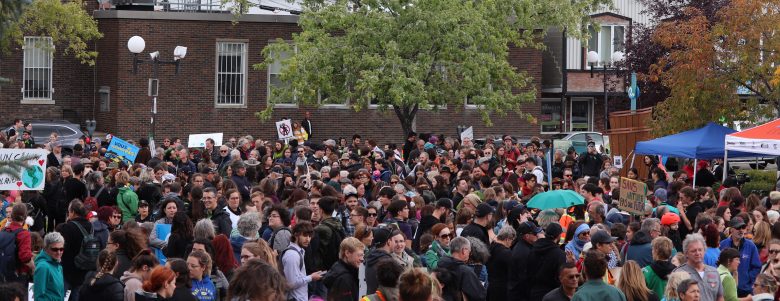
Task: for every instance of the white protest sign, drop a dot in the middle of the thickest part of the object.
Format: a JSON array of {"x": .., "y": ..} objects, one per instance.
[
  {"x": 22, "y": 169},
  {"x": 467, "y": 134},
  {"x": 618, "y": 161},
  {"x": 199, "y": 140},
  {"x": 284, "y": 129}
]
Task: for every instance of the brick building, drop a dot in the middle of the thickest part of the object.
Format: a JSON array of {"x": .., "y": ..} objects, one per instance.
[{"x": 198, "y": 101}]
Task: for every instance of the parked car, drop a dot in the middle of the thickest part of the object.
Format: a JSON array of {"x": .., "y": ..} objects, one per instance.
[
  {"x": 69, "y": 133},
  {"x": 579, "y": 140}
]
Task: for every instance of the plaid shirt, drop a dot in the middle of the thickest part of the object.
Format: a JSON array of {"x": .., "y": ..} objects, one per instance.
[{"x": 343, "y": 217}]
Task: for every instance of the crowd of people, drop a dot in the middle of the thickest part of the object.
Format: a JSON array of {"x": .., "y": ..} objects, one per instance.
[{"x": 434, "y": 218}]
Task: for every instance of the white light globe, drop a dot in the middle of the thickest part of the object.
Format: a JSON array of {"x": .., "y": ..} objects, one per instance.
[
  {"x": 593, "y": 57},
  {"x": 617, "y": 56},
  {"x": 136, "y": 44}
]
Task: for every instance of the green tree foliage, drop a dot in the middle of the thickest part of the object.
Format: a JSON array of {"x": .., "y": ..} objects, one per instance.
[
  {"x": 407, "y": 55},
  {"x": 66, "y": 22}
]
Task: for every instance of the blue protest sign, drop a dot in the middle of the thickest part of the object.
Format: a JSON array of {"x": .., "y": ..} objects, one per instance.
[{"x": 123, "y": 150}]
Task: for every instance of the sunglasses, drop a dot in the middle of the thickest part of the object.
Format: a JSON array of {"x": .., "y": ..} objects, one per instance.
[
  {"x": 774, "y": 251},
  {"x": 117, "y": 216},
  {"x": 445, "y": 236},
  {"x": 372, "y": 214},
  {"x": 57, "y": 249},
  {"x": 393, "y": 182}
]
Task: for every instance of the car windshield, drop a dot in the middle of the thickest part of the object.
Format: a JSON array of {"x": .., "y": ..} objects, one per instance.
[{"x": 558, "y": 136}]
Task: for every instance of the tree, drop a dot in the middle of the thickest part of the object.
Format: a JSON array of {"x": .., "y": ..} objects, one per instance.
[
  {"x": 408, "y": 55},
  {"x": 700, "y": 54},
  {"x": 66, "y": 22}
]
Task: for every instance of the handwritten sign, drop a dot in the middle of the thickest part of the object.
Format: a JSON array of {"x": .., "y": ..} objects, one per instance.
[
  {"x": 199, "y": 140},
  {"x": 25, "y": 169},
  {"x": 467, "y": 134},
  {"x": 284, "y": 129},
  {"x": 633, "y": 195},
  {"x": 122, "y": 150}
]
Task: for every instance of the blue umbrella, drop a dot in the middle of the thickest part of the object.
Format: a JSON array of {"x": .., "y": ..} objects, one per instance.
[{"x": 556, "y": 199}]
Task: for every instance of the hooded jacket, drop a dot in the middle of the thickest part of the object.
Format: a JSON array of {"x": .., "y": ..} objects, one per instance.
[
  {"x": 204, "y": 289},
  {"x": 101, "y": 232},
  {"x": 657, "y": 274},
  {"x": 127, "y": 201},
  {"x": 518, "y": 278},
  {"x": 466, "y": 281},
  {"x": 132, "y": 283},
  {"x": 498, "y": 271},
  {"x": 639, "y": 249},
  {"x": 73, "y": 239},
  {"x": 749, "y": 264},
  {"x": 425, "y": 225},
  {"x": 342, "y": 282},
  {"x": 105, "y": 288},
  {"x": 434, "y": 253},
  {"x": 545, "y": 260},
  {"x": 325, "y": 232},
  {"x": 221, "y": 221},
  {"x": 48, "y": 282},
  {"x": 371, "y": 260}
]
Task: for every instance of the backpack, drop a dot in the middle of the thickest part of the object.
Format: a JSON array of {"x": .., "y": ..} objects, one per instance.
[
  {"x": 91, "y": 202},
  {"x": 330, "y": 254},
  {"x": 8, "y": 256},
  {"x": 281, "y": 255},
  {"x": 88, "y": 253},
  {"x": 273, "y": 236}
]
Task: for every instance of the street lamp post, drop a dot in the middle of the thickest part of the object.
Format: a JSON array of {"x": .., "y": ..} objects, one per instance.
[
  {"x": 593, "y": 60},
  {"x": 136, "y": 45}
]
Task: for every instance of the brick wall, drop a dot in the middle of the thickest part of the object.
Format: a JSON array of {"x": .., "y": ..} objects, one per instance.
[{"x": 186, "y": 101}]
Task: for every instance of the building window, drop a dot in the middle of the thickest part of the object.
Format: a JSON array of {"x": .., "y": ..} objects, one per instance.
[
  {"x": 327, "y": 101},
  {"x": 581, "y": 117},
  {"x": 275, "y": 80},
  {"x": 231, "y": 79},
  {"x": 550, "y": 119},
  {"x": 37, "y": 84},
  {"x": 105, "y": 98},
  {"x": 609, "y": 40}
]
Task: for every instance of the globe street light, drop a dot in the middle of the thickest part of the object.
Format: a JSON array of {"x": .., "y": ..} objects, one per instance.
[{"x": 593, "y": 60}]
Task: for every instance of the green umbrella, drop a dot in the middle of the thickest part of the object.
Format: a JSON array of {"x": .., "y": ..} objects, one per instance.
[{"x": 556, "y": 199}]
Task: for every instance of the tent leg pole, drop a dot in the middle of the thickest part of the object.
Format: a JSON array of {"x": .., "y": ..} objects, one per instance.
[
  {"x": 725, "y": 166},
  {"x": 695, "y": 165}
]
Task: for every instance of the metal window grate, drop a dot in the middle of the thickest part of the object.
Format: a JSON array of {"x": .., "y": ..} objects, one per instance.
[
  {"x": 37, "y": 83},
  {"x": 231, "y": 73}
]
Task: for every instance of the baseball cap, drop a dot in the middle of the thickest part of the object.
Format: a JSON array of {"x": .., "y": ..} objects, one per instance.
[
  {"x": 553, "y": 230},
  {"x": 669, "y": 218},
  {"x": 660, "y": 193},
  {"x": 445, "y": 169},
  {"x": 528, "y": 228},
  {"x": 483, "y": 160},
  {"x": 444, "y": 202},
  {"x": 601, "y": 237},
  {"x": 143, "y": 203},
  {"x": 484, "y": 209},
  {"x": 381, "y": 235},
  {"x": 509, "y": 205},
  {"x": 736, "y": 222}
]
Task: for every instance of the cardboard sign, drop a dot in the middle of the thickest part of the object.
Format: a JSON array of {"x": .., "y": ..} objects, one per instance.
[
  {"x": 467, "y": 134},
  {"x": 122, "y": 150},
  {"x": 25, "y": 169},
  {"x": 284, "y": 129},
  {"x": 633, "y": 195},
  {"x": 199, "y": 140},
  {"x": 562, "y": 145}
]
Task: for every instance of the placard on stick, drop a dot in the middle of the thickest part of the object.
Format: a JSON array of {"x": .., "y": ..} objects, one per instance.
[{"x": 633, "y": 195}]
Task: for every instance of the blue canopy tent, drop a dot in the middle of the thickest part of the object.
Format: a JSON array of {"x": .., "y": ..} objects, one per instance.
[{"x": 703, "y": 143}]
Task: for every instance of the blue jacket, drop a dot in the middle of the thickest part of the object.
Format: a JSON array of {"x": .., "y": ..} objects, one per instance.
[
  {"x": 204, "y": 289},
  {"x": 749, "y": 265},
  {"x": 48, "y": 281}
]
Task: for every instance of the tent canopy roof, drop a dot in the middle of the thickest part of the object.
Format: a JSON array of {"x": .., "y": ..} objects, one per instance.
[
  {"x": 763, "y": 139},
  {"x": 702, "y": 143}
]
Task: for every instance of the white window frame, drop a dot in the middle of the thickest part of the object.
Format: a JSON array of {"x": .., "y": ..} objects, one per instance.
[
  {"x": 32, "y": 40},
  {"x": 244, "y": 71},
  {"x": 294, "y": 104},
  {"x": 469, "y": 106},
  {"x": 599, "y": 35},
  {"x": 344, "y": 105},
  {"x": 590, "y": 107},
  {"x": 561, "y": 126}
]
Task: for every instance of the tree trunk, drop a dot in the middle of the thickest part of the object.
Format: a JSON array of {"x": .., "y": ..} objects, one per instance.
[{"x": 406, "y": 116}]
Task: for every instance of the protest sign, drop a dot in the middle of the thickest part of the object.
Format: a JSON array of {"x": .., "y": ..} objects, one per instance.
[
  {"x": 562, "y": 145},
  {"x": 284, "y": 129},
  {"x": 22, "y": 169},
  {"x": 633, "y": 195},
  {"x": 617, "y": 161},
  {"x": 199, "y": 140},
  {"x": 122, "y": 150},
  {"x": 467, "y": 134}
]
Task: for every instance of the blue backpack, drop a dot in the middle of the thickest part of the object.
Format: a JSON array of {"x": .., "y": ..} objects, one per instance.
[{"x": 8, "y": 254}]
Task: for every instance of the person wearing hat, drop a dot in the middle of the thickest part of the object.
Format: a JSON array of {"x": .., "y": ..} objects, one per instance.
[
  {"x": 590, "y": 161},
  {"x": 519, "y": 278},
  {"x": 382, "y": 249},
  {"x": 750, "y": 263},
  {"x": 55, "y": 156},
  {"x": 239, "y": 177},
  {"x": 670, "y": 227},
  {"x": 662, "y": 199},
  {"x": 478, "y": 227},
  {"x": 545, "y": 260},
  {"x": 143, "y": 212}
]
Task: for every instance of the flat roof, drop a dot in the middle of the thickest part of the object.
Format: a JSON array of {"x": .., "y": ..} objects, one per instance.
[{"x": 193, "y": 16}]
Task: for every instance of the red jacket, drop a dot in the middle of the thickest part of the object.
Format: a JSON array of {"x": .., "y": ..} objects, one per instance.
[{"x": 23, "y": 247}]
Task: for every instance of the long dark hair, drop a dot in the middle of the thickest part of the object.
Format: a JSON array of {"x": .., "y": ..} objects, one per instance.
[
  {"x": 179, "y": 266},
  {"x": 182, "y": 225}
]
